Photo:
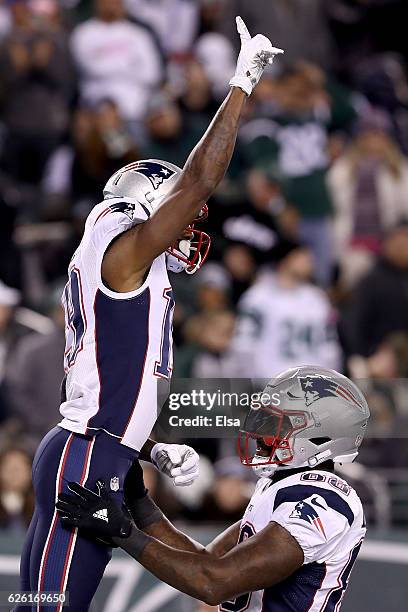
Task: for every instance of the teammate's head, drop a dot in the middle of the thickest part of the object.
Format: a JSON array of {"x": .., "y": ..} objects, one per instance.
[
  {"x": 149, "y": 181},
  {"x": 305, "y": 416}
]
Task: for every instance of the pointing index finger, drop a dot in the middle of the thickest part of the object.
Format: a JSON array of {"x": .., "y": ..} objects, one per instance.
[
  {"x": 267, "y": 57},
  {"x": 242, "y": 30}
]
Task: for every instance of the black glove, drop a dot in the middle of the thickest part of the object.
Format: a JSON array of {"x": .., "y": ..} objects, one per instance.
[{"x": 96, "y": 513}]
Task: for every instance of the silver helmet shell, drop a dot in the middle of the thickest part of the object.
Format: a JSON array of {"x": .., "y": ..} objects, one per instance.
[
  {"x": 148, "y": 181},
  {"x": 306, "y": 415}
]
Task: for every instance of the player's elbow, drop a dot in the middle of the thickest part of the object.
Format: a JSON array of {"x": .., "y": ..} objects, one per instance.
[
  {"x": 211, "y": 600},
  {"x": 211, "y": 588},
  {"x": 215, "y": 596},
  {"x": 210, "y": 596}
]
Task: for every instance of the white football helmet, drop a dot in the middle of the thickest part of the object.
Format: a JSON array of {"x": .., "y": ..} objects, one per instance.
[
  {"x": 148, "y": 181},
  {"x": 305, "y": 416}
]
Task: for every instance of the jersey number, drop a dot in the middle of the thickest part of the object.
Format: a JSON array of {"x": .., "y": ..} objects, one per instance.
[
  {"x": 75, "y": 317},
  {"x": 298, "y": 337},
  {"x": 242, "y": 602},
  {"x": 163, "y": 368}
]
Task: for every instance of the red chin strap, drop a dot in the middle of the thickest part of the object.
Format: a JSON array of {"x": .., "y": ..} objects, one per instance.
[{"x": 200, "y": 243}]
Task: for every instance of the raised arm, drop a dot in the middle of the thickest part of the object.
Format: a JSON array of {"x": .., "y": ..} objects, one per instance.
[
  {"x": 203, "y": 171},
  {"x": 129, "y": 257}
]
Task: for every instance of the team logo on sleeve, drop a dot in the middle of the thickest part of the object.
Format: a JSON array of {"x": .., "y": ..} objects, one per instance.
[
  {"x": 156, "y": 173},
  {"x": 316, "y": 387},
  {"x": 306, "y": 511},
  {"x": 127, "y": 208}
]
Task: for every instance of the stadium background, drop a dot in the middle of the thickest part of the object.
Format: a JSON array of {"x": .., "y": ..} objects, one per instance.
[{"x": 317, "y": 194}]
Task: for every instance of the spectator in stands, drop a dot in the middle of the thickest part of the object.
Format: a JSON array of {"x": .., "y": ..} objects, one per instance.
[
  {"x": 214, "y": 50},
  {"x": 117, "y": 60},
  {"x": 5, "y": 20},
  {"x": 196, "y": 97},
  {"x": 36, "y": 85},
  {"x": 390, "y": 360},
  {"x": 207, "y": 336},
  {"x": 284, "y": 320},
  {"x": 10, "y": 255},
  {"x": 369, "y": 189},
  {"x": 379, "y": 305},
  {"x": 257, "y": 217},
  {"x": 289, "y": 140},
  {"x": 306, "y": 27},
  {"x": 162, "y": 494},
  {"x": 266, "y": 199},
  {"x": 386, "y": 388},
  {"x": 16, "y": 494},
  {"x": 208, "y": 292},
  {"x": 211, "y": 294},
  {"x": 34, "y": 380},
  {"x": 383, "y": 80},
  {"x": 240, "y": 262},
  {"x": 171, "y": 133},
  {"x": 213, "y": 287},
  {"x": 9, "y": 333},
  {"x": 229, "y": 494},
  {"x": 100, "y": 144},
  {"x": 357, "y": 26},
  {"x": 162, "y": 15}
]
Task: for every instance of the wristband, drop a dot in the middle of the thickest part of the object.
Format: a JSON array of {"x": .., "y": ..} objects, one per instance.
[
  {"x": 243, "y": 82},
  {"x": 135, "y": 543},
  {"x": 144, "y": 511}
]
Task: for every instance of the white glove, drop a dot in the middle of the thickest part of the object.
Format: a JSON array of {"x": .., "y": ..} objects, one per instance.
[
  {"x": 256, "y": 53},
  {"x": 177, "y": 461}
]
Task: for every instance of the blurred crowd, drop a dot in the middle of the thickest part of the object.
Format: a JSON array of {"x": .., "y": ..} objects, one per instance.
[{"x": 309, "y": 262}]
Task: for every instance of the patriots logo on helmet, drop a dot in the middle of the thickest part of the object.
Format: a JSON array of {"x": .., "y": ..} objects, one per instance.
[
  {"x": 316, "y": 386},
  {"x": 306, "y": 512},
  {"x": 154, "y": 171}
]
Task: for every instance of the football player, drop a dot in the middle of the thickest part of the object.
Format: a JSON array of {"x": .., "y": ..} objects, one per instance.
[
  {"x": 303, "y": 528},
  {"x": 118, "y": 305}
]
